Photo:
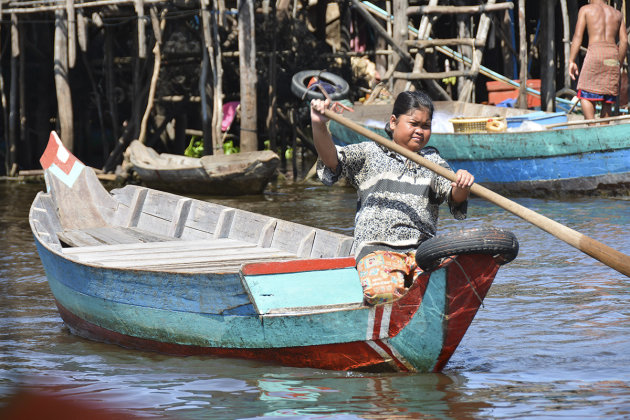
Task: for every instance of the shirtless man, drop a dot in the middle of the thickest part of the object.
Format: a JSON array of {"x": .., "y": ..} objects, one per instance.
[{"x": 601, "y": 70}]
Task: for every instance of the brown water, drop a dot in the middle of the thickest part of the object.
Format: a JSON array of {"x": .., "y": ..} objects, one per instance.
[{"x": 552, "y": 341}]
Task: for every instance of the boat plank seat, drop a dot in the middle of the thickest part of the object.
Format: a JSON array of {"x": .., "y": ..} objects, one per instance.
[
  {"x": 217, "y": 255},
  {"x": 109, "y": 235}
]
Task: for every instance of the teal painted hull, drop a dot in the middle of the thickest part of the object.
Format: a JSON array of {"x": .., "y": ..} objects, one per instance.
[
  {"x": 96, "y": 303},
  {"x": 155, "y": 271}
]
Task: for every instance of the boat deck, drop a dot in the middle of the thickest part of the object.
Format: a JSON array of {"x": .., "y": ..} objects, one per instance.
[{"x": 130, "y": 248}]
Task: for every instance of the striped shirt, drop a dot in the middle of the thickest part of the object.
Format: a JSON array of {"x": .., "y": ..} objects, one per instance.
[{"x": 398, "y": 200}]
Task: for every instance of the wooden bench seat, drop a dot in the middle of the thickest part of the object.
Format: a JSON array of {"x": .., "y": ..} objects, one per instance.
[
  {"x": 218, "y": 255},
  {"x": 109, "y": 235}
]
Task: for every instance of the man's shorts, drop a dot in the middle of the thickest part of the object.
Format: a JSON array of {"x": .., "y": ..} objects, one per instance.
[{"x": 596, "y": 97}]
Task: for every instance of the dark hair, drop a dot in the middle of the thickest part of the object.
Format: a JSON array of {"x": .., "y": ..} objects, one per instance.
[{"x": 408, "y": 101}]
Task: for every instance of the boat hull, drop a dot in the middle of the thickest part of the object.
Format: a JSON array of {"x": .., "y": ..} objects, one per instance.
[
  {"x": 156, "y": 271},
  {"x": 236, "y": 174},
  {"x": 418, "y": 333}
]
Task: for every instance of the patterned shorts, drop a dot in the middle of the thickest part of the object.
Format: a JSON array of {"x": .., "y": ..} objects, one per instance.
[
  {"x": 596, "y": 97},
  {"x": 385, "y": 275}
]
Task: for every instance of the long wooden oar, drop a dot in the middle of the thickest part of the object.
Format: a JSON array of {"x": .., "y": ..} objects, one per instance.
[{"x": 601, "y": 252}]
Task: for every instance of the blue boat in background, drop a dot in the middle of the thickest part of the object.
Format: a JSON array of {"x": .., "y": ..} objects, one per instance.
[{"x": 564, "y": 159}]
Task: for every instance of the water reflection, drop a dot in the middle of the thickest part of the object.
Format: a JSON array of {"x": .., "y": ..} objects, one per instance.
[{"x": 551, "y": 340}]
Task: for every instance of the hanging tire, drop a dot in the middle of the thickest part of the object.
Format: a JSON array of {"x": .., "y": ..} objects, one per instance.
[
  {"x": 488, "y": 241},
  {"x": 300, "y": 81}
]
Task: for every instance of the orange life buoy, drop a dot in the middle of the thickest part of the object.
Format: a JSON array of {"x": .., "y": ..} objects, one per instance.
[{"x": 496, "y": 126}]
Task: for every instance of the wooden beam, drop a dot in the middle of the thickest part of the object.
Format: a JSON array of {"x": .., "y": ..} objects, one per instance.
[
  {"x": 458, "y": 10},
  {"x": 432, "y": 76},
  {"x": 62, "y": 6},
  {"x": 426, "y": 43}
]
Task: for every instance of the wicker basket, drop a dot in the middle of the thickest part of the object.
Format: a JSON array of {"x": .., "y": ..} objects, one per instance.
[{"x": 473, "y": 125}]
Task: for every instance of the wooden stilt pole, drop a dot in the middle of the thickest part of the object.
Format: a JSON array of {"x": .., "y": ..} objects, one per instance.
[
  {"x": 548, "y": 61},
  {"x": 3, "y": 99},
  {"x": 158, "y": 28},
  {"x": 62, "y": 82},
  {"x": 522, "y": 35},
  {"x": 109, "y": 81},
  {"x": 13, "y": 95},
  {"x": 142, "y": 44},
  {"x": 24, "y": 146},
  {"x": 271, "y": 120},
  {"x": 206, "y": 126},
  {"x": 482, "y": 36},
  {"x": 82, "y": 34},
  {"x": 248, "y": 77},
  {"x": 72, "y": 25},
  {"x": 217, "y": 80}
]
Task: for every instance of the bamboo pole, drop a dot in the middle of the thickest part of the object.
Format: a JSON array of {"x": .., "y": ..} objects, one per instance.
[{"x": 593, "y": 121}]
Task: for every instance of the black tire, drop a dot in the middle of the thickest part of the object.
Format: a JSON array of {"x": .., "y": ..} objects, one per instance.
[
  {"x": 301, "y": 79},
  {"x": 487, "y": 241}
]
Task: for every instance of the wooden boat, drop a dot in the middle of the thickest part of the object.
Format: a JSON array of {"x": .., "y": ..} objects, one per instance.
[
  {"x": 148, "y": 269},
  {"x": 573, "y": 159},
  {"x": 234, "y": 174}
]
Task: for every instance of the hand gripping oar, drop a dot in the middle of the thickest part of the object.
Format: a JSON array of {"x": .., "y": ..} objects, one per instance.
[{"x": 601, "y": 252}]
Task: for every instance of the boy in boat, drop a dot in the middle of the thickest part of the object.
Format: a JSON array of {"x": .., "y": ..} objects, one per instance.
[
  {"x": 398, "y": 200},
  {"x": 601, "y": 70}
]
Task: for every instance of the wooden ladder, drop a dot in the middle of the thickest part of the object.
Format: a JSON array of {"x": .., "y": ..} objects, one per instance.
[{"x": 424, "y": 41}]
